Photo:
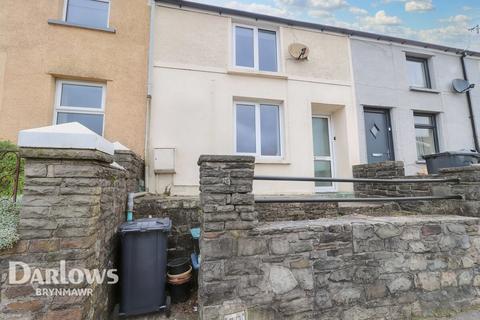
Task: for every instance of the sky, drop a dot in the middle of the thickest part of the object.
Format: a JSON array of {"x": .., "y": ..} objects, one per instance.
[{"x": 443, "y": 22}]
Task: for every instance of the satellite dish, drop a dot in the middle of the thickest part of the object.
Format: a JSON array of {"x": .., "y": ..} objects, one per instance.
[
  {"x": 461, "y": 86},
  {"x": 298, "y": 51}
]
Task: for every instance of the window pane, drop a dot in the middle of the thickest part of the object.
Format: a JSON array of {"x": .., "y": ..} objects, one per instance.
[
  {"x": 321, "y": 139},
  {"x": 323, "y": 169},
  {"x": 417, "y": 73},
  {"x": 93, "y": 122},
  {"x": 246, "y": 142},
  {"x": 423, "y": 120},
  {"x": 267, "y": 50},
  {"x": 83, "y": 96},
  {"x": 88, "y": 12},
  {"x": 244, "y": 47},
  {"x": 425, "y": 142},
  {"x": 270, "y": 130}
]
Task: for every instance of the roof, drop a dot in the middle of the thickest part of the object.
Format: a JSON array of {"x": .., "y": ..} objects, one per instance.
[{"x": 316, "y": 26}]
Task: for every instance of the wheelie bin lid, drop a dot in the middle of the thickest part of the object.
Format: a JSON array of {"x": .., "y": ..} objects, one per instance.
[
  {"x": 149, "y": 224},
  {"x": 453, "y": 153}
]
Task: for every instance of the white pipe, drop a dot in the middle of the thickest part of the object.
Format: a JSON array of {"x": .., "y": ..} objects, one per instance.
[{"x": 149, "y": 93}]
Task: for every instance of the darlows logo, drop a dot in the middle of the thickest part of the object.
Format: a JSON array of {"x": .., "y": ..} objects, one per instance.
[{"x": 58, "y": 276}]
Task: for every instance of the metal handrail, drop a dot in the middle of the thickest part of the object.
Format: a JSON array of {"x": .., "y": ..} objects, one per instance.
[
  {"x": 386, "y": 199},
  {"x": 366, "y": 180}
]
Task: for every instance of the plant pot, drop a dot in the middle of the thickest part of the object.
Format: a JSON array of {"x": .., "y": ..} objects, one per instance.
[
  {"x": 180, "y": 292},
  {"x": 178, "y": 265},
  {"x": 185, "y": 274}
]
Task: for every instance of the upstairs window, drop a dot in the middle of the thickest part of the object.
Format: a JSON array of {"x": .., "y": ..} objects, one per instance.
[
  {"x": 258, "y": 129},
  {"x": 255, "y": 48},
  {"x": 82, "y": 102},
  {"x": 418, "y": 72},
  {"x": 92, "y": 13},
  {"x": 426, "y": 134}
]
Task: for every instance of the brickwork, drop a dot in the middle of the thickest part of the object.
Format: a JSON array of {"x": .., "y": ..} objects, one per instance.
[{"x": 72, "y": 204}]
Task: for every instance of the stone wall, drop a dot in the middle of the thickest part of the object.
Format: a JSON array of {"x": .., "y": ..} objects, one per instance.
[
  {"x": 183, "y": 211},
  {"x": 395, "y": 170},
  {"x": 343, "y": 268},
  {"x": 73, "y": 202},
  {"x": 295, "y": 211},
  {"x": 135, "y": 167},
  {"x": 388, "y": 170}
]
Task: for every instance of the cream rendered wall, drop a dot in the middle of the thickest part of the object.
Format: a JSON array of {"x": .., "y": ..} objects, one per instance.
[
  {"x": 381, "y": 81},
  {"x": 195, "y": 86}
]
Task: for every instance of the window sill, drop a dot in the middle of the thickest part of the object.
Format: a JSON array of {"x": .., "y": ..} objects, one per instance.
[
  {"x": 427, "y": 90},
  {"x": 420, "y": 162},
  {"x": 82, "y": 26},
  {"x": 271, "y": 161},
  {"x": 255, "y": 73}
]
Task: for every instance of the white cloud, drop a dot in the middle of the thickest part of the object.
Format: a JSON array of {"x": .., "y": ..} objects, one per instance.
[
  {"x": 419, "y": 6},
  {"x": 320, "y": 14},
  {"x": 459, "y": 18},
  {"x": 358, "y": 11},
  {"x": 328, "y": 4},
  {"x": 296, "y": 3},
  {"x": 382, "y": 19},
  {"x": 259, "y": 8}
]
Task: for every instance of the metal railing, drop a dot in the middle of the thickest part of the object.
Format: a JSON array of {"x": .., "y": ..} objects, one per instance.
[
  {"x": 357, "y": 180},
  {"x": 16, "y": 174}
]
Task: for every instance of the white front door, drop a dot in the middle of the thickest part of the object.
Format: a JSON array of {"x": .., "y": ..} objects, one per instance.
[{"x": 323, "y": 153}]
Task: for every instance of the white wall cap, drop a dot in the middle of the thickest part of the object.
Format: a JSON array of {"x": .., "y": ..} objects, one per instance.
[
  {"x": 71, "y": 135},
  {"x": 118, "y": 146},
  {"x": 116, "y": 166}
]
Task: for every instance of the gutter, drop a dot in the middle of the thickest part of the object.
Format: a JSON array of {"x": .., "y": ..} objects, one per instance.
[{"x": 469, "y": 101}]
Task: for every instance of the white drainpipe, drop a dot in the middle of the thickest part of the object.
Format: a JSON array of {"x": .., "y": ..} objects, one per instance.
[{"x": 149, "y": 93}]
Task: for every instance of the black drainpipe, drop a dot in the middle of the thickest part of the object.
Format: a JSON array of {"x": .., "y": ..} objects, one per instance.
[{"x": 469, "y": 100}]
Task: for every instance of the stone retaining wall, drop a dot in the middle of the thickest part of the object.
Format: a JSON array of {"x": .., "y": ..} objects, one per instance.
[
  {"x": 345, "y": 268},
  {"x": 72, "y": 204},
  {"x": 183, "y": 211},
  {"x": 135, "y": 167},
  {"x": 388, "y": 170}
]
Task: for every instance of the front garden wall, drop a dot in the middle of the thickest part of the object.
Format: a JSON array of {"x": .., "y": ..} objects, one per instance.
[
  {"x": 343, "y": 268},
  {"x": 72, "y": 204}
]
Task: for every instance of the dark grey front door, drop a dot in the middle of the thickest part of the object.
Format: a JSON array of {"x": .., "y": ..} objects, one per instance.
[{"x": 379, "y": 135}]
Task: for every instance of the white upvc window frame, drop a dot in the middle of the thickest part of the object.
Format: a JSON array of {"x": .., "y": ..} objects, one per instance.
[
  {"x": 65, "y": 9},
  {"x": 331, "y": 158},
  {"x": 256, "y": 64},
  {"x": 258, "y": 133},
  {"x": 67, "y": 109}
]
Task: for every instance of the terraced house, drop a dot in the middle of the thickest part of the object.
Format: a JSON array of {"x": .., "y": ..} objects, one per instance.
[
  {"x": 304, "y": 99},
  {"x": 75, "y": 60},
  {"x": 176, "y": 79}
]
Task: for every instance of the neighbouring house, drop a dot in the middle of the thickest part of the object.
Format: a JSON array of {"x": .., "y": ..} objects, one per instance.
[
  {"x": 405, "y": 103},
  {"x": 75, "y": 60},
  {"x": 230, "y": 82}
]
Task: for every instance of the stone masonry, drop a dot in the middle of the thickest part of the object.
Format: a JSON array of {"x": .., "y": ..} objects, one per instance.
[
  {"x": 73, "y": 202},
  {"x": 183, "y": 211},
  {"x": 347, "y": 268},
  {"x": 135, "y": 167}
]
